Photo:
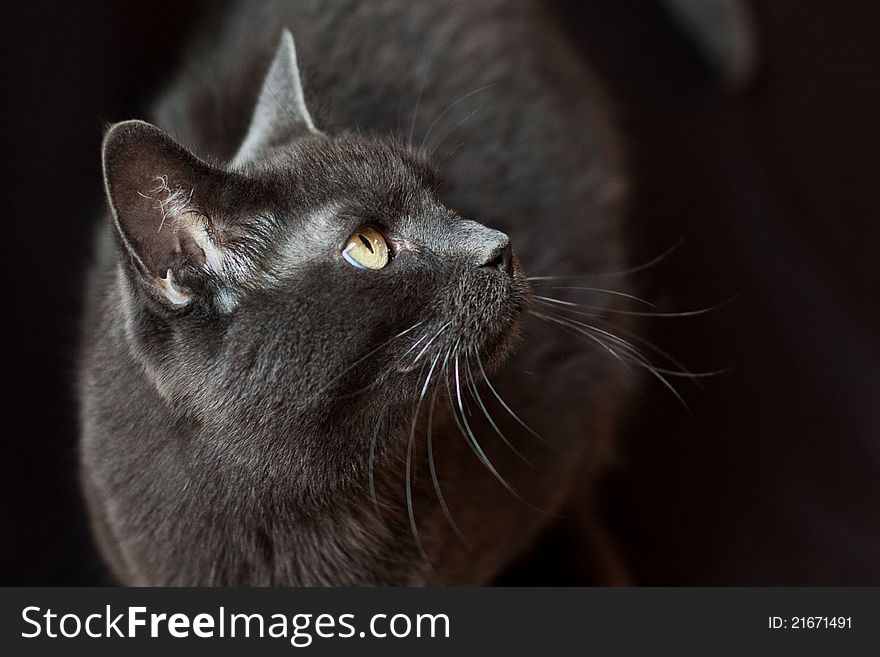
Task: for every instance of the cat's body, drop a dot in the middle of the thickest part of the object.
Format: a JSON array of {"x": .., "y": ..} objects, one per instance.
[{"x": 207, "y": 465}]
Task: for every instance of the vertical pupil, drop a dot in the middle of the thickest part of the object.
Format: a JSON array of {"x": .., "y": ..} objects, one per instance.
[{"x": 366, "y": 243}]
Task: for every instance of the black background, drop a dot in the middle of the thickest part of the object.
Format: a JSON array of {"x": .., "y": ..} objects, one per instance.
[{"x": 773, "y": 479}]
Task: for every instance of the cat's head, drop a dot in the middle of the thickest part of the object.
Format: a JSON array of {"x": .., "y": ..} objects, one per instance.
[{"x": 304, "y": 291}]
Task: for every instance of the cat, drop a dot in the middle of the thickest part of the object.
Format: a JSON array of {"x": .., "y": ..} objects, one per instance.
[{"x": 321, "y": 343}]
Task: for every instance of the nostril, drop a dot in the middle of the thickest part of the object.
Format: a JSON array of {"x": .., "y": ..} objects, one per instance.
[{"x": 501, "y": 258}]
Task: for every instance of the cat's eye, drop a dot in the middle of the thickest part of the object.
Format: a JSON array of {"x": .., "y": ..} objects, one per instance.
[{"x": 366, "y": 249}]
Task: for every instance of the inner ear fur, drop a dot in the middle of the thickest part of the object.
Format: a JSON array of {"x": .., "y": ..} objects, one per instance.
[{"x": 155, "y": 187}]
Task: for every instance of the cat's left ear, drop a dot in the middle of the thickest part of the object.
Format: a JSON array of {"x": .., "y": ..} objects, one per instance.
[
  {"x": 281, "y": 113},
  {"x": 157, "y": 191}
]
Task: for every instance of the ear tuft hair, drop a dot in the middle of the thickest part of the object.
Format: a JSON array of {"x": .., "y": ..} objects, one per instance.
[{"x": 153, "y": 186}]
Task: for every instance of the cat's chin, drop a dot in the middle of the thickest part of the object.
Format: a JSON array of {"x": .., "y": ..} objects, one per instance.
[{"x": 495, "y": 353}]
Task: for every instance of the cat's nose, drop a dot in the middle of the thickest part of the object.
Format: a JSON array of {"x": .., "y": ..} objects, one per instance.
[{"x": 497, "y": 253}]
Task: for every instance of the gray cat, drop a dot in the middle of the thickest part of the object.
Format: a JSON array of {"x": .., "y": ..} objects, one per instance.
[{"x": 310, "y": 355}]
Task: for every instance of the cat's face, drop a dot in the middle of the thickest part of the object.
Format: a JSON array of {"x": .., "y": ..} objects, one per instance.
[
  {"x": 297, "y": 304},
  {"x": 366, "y": 282},
  {"x": 374, "y": 278}
]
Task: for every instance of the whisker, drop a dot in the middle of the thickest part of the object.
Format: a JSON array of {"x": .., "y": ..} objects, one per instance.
[
  {"x": 629, "y": 350},
  {"x": 563, "y": 322},
  {"x": 476, "y": 395},
  {"x": 432, "y": 467},
  {"x": 414, "y": 345},
  {"x": 453, "y": 408},
  {"x": 335, "y": 379},
  {"x": 636, "y": 358},
  {"x": 451, "y": 151},
  {"x": 589, "y": 289},
  {"x": 682, "y": 370},
  {"x": 475, "y": 448},
  {"x": 506, "y": 407},
  {"x": 592, "y": 331},
  {"x": 452, "y": 131},
  {"x": 371, "y": 473},
  {"x": 412, "y": 127},
  {"x": 663, "y": 354},
  {"x": 409, "y": 458},
  {"x": 622, "y": 272},
  {"x": 607, "y": 311},
  {"x": 473, "y": 439},
  {"x": 436, "y": 335},
  {"x": 447, "y": 110}
]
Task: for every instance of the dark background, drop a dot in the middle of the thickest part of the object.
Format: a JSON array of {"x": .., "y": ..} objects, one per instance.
[{"x": 773, "y": 479}]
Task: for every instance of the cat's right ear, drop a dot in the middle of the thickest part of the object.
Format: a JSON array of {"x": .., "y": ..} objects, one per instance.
[{"x": 156, "y": 189}]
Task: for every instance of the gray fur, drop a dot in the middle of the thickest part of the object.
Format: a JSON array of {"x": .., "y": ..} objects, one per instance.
[
  {"x": 281, "y": 111},
  {"x": 240, "y": 437}
]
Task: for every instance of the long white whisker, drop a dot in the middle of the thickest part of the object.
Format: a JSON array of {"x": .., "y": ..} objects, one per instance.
[
  {"x": 473, "y": 439},
  {"x": 476, "y": 395},
  {"x": 682, "y": 371},
  {"x": 371, "y": 474},
  {"x": 433, "y": 469},
  {"x": 642, "y": 359},
  {"x": 590, "y": 289},
  {"x": 638, "y": 358},
  {"x": 601, "y": 311},
  {"x": 409, "y": 458},
  {"x": 506, "y": 407},
  {"x": 475, "y": 448},
  {"x": 565, "y": 323},
  {"x": 415, "y": 344},
  {"x": 436, "y": 335}
]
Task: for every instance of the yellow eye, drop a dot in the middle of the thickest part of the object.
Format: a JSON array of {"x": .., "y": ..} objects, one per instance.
[{"x": 366, "y": 249}]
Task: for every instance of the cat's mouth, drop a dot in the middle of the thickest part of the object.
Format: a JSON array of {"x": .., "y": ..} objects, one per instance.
[{"x": 481, "y": 326}]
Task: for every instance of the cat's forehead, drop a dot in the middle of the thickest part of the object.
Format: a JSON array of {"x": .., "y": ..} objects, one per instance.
[
  {"x": 321, "y": 182},
  {"x": 352, "y": 163}
]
